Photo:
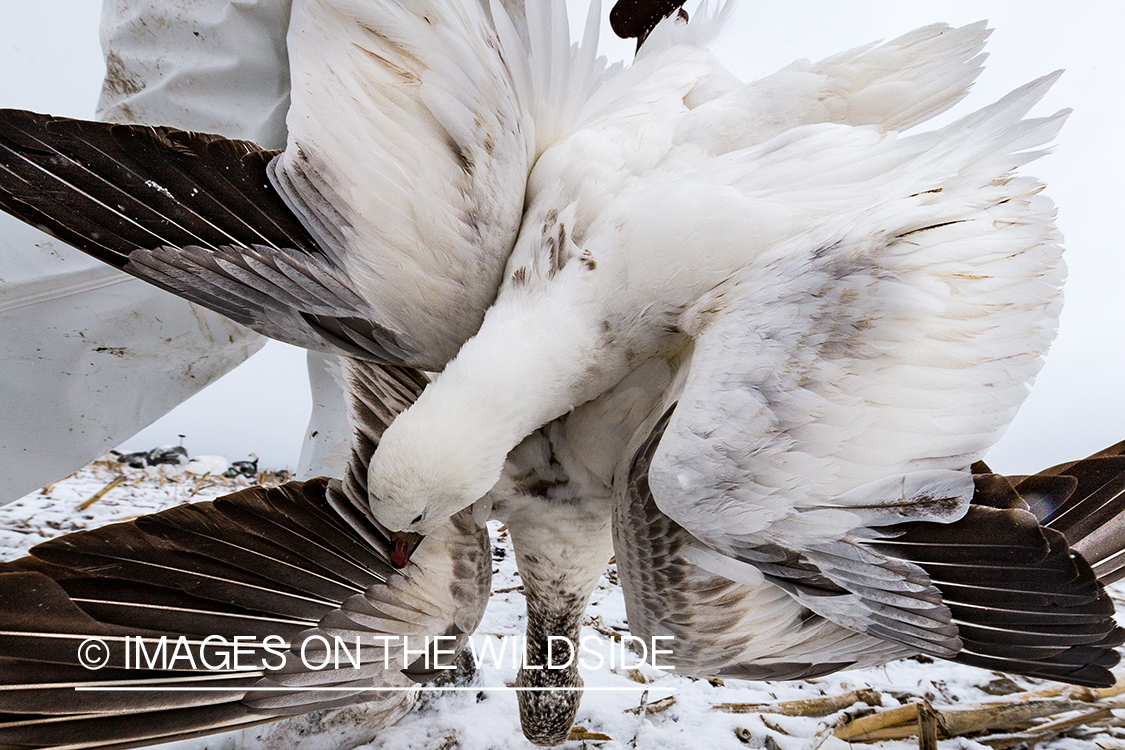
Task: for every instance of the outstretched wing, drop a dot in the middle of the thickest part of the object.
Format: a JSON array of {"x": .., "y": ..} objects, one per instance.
[
  {"x": 278, "y": 565},
  {"x": 845, "y": 379},
  {"x": 193, "y": 214},
  {"x": 1020, "y": 596}
]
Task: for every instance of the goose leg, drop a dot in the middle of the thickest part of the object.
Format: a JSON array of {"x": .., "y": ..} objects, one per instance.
[{"x": 560, "y": 521}]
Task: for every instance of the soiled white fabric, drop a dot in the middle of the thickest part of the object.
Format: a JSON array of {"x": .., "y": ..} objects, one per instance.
[
  {"x": 214, "y": 66},
  {"x": 89, "y": 356},
  {"x": 328, "y": 437}
]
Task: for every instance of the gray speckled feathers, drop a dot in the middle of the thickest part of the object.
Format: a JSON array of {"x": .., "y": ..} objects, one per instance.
[{"x": 1011, "y": 590}]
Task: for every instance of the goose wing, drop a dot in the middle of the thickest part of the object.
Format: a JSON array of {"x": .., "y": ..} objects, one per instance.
[
  {"x": 891, "y": 86},
  {"x": 279, "y": 567},
  {"x": 192, "y": 213},
  {"x": 410, "y": 141},
  {"x": 843, "y": 381},
  {"x": 1047, "y": 618},
  {"x": 718, "y": 627},
  {"x": 1083, "y": 499},
  {"x": 381, "y": 231}
]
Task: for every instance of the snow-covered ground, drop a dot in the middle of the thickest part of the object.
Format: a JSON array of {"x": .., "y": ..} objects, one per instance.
[{"x": 636, "y": 716}]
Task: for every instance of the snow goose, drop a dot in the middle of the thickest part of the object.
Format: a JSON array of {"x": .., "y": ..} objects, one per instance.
[
  {"x": 855, "y": 317},
  {"x": 788, "y": 179}
]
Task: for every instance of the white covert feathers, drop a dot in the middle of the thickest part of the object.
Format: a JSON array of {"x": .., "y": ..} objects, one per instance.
[{"x": 414, "y": 185}]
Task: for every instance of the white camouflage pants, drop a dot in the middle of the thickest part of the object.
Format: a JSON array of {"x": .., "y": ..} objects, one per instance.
[{"x": 88, "y": 355}]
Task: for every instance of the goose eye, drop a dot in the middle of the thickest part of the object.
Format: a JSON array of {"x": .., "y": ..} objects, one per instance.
[{"x": 418, "y": 518}]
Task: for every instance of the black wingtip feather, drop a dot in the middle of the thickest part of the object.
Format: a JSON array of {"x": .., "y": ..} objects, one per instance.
[
  {"x": 194, "y": 571},
  {"x": 179, "y": 210},
  {"x": 1023, "y": 601},
  {"x": 141, "y": 186},
  {"x": 635, "y": 19}
]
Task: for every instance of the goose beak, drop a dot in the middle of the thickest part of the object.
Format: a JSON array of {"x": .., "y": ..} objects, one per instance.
[{"x": 404, "y": 543}]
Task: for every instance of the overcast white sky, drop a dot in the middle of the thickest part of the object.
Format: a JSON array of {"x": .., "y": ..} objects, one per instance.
[{"x": 50, "y": 62}]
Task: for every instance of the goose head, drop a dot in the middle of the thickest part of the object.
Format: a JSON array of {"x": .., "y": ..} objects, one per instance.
[
  {"x": 412, "y": 504},
  {"x": 427, "y": 470}
]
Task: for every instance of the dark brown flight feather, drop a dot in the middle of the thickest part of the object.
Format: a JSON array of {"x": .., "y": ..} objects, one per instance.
[
  {"x": 635, "y": 19},
  {"x": 276, "y": 561},
  {"x": 192, "y": 213},
  {"x": 1016, "y": 585}
]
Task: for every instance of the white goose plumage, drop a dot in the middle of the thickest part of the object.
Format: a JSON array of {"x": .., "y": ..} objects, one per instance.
[
  {"x": 414, "y": 186},
  {"x": 636, "y": 241}
]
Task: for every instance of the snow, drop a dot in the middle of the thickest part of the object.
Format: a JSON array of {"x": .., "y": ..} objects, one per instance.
[
  {"x": 52, "y": 511},
  {"x": 204, "y": 465},
  {"x": 487, "y": 719}
]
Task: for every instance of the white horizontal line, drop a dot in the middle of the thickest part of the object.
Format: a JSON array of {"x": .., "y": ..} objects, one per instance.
[
  {"x": 18, "y": 294},
  {"x": 186, "y": 689}
]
